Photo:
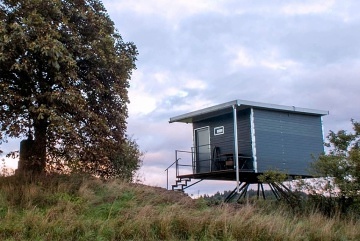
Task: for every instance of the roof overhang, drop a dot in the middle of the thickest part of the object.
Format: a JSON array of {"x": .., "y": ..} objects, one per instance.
[{"x": 227, "y": 107}]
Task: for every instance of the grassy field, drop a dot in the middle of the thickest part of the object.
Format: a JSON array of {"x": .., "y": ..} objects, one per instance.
[{"x": 86, "y": 208}]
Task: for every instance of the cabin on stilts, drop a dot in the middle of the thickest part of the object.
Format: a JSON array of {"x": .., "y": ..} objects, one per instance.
[{"x": 240, "y": 140}]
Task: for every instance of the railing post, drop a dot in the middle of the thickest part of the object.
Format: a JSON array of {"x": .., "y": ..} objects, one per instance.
[
  {"x": 167, "y": 179},
  {"x": 177, "y": 164},
  {"x": 177, "y": 167},
  {"x": 193, "y": 159}
]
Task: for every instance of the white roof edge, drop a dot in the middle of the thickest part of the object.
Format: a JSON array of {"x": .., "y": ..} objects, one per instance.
[
  {"x": 187, "y": 117},
  {"x": 203, "y": 111},
  {"x": 282, "y": 107}
]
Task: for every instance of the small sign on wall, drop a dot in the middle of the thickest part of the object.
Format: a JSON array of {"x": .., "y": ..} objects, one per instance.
[{"x": 219, "y": 130}]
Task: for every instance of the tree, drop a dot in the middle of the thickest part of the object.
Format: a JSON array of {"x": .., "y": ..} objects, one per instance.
[
  {"x": 340, "y": 168},
  {"x": 124, "y": 163},
  {"x": 64, "y": 74}
]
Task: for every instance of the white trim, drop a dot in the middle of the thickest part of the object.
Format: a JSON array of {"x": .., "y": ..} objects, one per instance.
[
  {"x": 322, "y": 131},
  {"x": 226, "y": 108},
  {"x": 253, "y": 138},
  {"x": 236, "y": 149},
  {"x": 219, "y": 127},
  {"x": 194, "y": 144}
]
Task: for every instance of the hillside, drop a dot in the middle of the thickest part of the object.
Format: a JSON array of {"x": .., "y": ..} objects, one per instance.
[{"x": 85, "y": 208}]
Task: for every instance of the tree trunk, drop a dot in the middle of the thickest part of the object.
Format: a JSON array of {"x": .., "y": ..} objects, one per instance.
[
  {"x": 26, "y": 153},
  {"x": 38, "y": 161},
  {"x": 33, "y": 152}
]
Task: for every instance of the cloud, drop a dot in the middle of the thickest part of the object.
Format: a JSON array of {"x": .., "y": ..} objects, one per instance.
[
  {"x": 171, "y": 11},
  {"x": 308, "y": 7},
  {"x": 195, "y": 54},
  {"x": 242, "y": 58}
]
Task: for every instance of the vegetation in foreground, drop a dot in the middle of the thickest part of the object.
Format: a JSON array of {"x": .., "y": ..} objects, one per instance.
[{"x": 79, "y": 207}]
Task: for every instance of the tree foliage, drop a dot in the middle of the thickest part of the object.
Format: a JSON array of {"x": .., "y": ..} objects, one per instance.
[
  {"x": 64, "y": 74},
  {"x": 273, "y": 176},
  {"x": 339, "y": 170},
  {"x": 343, "y": 161}
]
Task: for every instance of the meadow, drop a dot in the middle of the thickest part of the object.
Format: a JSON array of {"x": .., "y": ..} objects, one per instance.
[{"x": 81, "y": 207}]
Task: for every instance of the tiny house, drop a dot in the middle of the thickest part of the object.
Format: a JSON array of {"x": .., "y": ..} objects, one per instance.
[{"x": 243, "y": 138}]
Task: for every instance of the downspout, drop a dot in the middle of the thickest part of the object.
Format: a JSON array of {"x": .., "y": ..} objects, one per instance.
[
  {"x": 236, "y": 149},
  {"x": 253, "y": 139}
]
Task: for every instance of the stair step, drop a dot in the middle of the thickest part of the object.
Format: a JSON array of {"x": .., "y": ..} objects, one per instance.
[
  {"x": 185, "y": 179},
  {"x": 180, "y": 183},
  {"x": 178, "y": 190}
]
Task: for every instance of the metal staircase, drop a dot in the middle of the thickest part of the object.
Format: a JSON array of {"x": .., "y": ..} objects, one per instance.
[{"x": 180, "y": 184}]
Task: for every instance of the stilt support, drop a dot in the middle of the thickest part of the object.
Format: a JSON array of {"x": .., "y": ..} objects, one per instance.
[{"x": 279, "y": 190}]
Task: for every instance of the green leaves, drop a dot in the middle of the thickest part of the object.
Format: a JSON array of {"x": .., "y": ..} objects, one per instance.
[
  {"x": 63, "y": 64},
  {"x": 272, "y": 176},
  {"x": 342, "y": 163}
]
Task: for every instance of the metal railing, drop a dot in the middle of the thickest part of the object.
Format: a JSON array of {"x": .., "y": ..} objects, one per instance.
[
  {"x": 167, "y": 173},
  {"x": 186, "y": 163}
]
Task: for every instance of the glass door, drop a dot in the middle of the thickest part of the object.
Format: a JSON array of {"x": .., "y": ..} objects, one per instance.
[{"x": 202, "y": 150}]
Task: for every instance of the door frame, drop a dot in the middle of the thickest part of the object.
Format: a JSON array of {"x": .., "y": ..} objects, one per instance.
[{"x": 196, "y": 147}]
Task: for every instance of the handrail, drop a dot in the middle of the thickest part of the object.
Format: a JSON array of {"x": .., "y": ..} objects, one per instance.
[
  {"x": 196, "y": 157},
  {"x": 167, "y": 171},
  {"x": 177, "y": 165},
  {"x": 171, "y": 165}
]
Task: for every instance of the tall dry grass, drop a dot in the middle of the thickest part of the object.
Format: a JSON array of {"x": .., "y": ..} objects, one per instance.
[{"x": 86, "y": 208}]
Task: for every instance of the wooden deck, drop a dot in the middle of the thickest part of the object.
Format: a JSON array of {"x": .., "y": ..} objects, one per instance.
[
  {"x": 226, "y": 175},
  {"x": 230, "y": 175}
]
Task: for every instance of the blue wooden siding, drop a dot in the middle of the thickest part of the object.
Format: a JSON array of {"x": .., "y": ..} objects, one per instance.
[
  {"x": 244, "y": 132},
  {"x": 226, "y": 141},
  {"x": 287, "y": 141}
]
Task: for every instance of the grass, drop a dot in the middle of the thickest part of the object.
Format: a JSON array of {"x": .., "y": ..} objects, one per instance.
[{"x": 80, "y": 207}]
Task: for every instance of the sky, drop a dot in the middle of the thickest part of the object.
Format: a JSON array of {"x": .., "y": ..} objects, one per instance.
[{"x": 199, "y": 53}]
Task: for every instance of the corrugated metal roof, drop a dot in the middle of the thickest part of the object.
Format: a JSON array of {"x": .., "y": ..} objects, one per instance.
[{"x": 240, "y": 104}]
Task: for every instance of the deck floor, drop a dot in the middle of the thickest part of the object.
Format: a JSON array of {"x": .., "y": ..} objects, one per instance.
[
  {"x": 227, "y": 175},
  {"x": 230, "y": 175}
]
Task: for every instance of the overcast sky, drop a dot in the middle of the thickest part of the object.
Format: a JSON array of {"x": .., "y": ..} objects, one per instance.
[
  {"x": 195, "y": 54},
  {"x": 199, "y": 53}
]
